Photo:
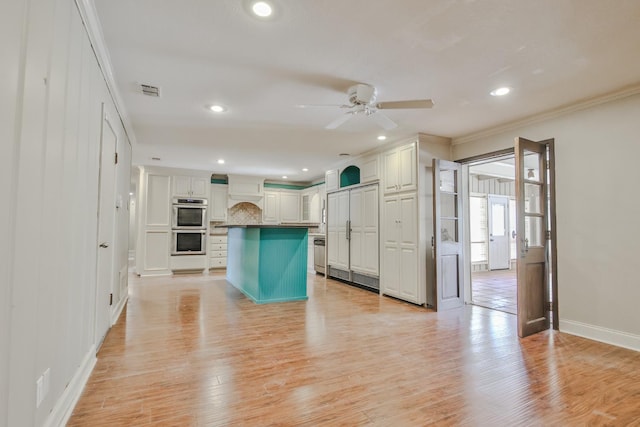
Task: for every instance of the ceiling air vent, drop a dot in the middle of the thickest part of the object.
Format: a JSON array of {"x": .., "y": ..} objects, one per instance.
[{"x": 150, "y": 90}]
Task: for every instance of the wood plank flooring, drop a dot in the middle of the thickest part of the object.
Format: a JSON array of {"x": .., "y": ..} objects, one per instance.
[
  {"x": 496, "y": 289},
  {"x": 193, "y": 351}
]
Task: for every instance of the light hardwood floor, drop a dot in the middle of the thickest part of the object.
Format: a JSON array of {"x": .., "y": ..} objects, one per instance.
[
  {"x": 495, "y": 289},
  {"x": 193, "y": 351}
]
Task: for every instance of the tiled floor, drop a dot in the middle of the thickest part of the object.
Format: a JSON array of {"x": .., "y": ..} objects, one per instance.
[{"x": 495, "y": 289}]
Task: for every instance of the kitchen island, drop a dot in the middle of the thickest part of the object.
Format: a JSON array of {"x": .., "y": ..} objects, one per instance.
[{"x": 268, "y": 263}]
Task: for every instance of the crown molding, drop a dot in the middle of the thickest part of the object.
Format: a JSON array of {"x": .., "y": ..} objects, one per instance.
[
  {"x": 551, "y": 114},
  {"x": 93, "y": 27}
]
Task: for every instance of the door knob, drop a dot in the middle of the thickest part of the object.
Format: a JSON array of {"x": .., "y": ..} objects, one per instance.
[{"x": 104, "y": 245}]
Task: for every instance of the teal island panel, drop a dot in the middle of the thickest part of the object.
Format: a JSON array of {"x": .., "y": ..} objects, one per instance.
[{"x": 268, "y": 264}]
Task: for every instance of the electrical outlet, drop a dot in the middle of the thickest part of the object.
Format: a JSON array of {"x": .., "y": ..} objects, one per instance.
[{"x": 39, "y": 390}]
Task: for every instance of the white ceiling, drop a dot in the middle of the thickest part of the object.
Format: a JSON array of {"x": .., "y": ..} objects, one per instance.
[{"x": 199, "y": 52}]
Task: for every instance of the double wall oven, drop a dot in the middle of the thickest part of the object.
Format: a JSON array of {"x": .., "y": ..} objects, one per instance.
[{"x": 189, "y": 227}]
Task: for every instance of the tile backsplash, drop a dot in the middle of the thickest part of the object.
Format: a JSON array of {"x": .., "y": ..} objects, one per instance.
[{"x": 244, "y": 213}]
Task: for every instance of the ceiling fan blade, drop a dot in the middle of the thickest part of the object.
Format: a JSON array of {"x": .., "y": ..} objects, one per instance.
[
  {"x": 415, "y": 103},
  {"x": 383, "y": 120},
  {"x": 339, "y": 121},
  {"x": 322, "y": 105}
]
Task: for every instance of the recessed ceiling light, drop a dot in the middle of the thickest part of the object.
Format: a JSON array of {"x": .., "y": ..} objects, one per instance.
[
  {"x": 217, "y": 108},
  {"x": 262, "y": 9},
  {"x": 305, "y": 170},
  {"x": 501, "y": 91},
  {"x": 221, "y": 161},
  {"x": 381, "y": 138},
  {"x": 284, "y": 176}
]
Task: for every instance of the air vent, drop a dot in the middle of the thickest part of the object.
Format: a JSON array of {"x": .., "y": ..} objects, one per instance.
[{"x": 150, "y": 90}]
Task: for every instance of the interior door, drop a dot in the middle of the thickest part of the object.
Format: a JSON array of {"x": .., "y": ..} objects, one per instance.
[
  {"x": 448, "y": 242},
  {"x": 532, "y": 244},
  {"x": 106, "y": 230},
  {"x": 498, "y": 217}
]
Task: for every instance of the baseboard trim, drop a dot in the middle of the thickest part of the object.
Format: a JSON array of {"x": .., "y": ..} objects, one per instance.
[
  {"x": 598, "y": 333},
  {"x": 117, "y": 311},
  {"x": 64, "y": 406}
]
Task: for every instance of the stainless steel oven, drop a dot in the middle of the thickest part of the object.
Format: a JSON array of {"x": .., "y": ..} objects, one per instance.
[
  {"x": 188, "y": 242},
  {"x": 189, "y": 214}
]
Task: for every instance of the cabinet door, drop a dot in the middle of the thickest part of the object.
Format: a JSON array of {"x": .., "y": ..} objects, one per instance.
[
  {"x": 407, "y": 176},
  {"x": 369, "y": 170},
  {"x": 390, "y": 174},
  {"x": 337, "y": 243},
  {"x": 200, "y": 187},
  {"x": 218, "y": 203},
  {"x": 181, "y": 186},
  {"x": 364, "y": 230},
  {"x": 289, "y": 207},
  {"x": 271, "y": 207},
  {"x": 331, "y": 180}
]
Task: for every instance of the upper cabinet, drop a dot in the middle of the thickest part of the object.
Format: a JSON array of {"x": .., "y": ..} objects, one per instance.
[
  {"x": 289, "y": 206},
  {"x": 370, "y": 169},
  {"x": 271, "y": 211},
  {"x": 190, "y": 186},
  {"x": 332, "y": 180},
  {"x": 218, "y": 202},
  {"x": 400, "y": 169}
]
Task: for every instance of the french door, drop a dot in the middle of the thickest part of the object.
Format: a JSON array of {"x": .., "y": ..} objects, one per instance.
[
  {"x": 535, "y": 222},
  {"x": 448, "y": 241}
]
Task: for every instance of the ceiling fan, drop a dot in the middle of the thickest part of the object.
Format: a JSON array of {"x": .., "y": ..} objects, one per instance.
[{"x": 362, "y": 100}]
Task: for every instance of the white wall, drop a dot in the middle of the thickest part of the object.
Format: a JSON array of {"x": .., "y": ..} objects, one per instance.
[
  {"x": 11, "y": 27},
  {"x": 50, "y": 104},
  {"x": 598, "y": 206}
]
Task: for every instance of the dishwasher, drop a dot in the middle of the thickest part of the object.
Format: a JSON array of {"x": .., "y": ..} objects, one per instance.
[{"x": 318, "y": 254}]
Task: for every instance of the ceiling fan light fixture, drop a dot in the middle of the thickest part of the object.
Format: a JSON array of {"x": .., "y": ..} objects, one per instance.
[
  {"x": 501, "y": 91},
  {"x": 262, "y": 9}
]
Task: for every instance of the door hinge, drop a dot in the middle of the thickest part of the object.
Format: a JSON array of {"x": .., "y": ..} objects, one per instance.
[
  {"x": 550, "y": 306},
  {"x": 110, "y": 299},
  {"x": 548, "y": 164},
  {"x": 548, "y": 234},
  {"x": 116, "y": 158}
]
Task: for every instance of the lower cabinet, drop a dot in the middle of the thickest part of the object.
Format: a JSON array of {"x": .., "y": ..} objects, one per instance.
[{"x": 217, "y": 251}]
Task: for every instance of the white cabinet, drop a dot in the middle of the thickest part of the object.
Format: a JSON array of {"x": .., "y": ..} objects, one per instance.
[
  {"x": 332, "y": 180},
  {"x": 363, "y": 207},
  {"x": 217, "y": 251},
  {"x": 399, "y": 275},
  {"x": 289, "y": 206},
  {"x": 271, "y": 211},
  {"x": 311, "y": 205},
  {"x": 190, "y": 186},
  {"x": 218, "y": 203},
  {"x": 370, "y": 169},
  {"x": 154, "y": 225},
  {"x": 400, "y": 169},
  {"x": 352, "y": 234}
]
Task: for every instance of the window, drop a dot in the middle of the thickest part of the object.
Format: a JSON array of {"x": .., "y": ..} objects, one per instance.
[{"x": 478, "y": 231}]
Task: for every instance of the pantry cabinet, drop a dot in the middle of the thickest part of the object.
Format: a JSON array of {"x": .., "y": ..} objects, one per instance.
[
  {"x": 400, "y": 251},
  {"x": 190, "y": 186}
]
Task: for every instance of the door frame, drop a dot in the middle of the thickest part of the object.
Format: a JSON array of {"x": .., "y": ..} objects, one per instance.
[{"x": 552, "y": 220}]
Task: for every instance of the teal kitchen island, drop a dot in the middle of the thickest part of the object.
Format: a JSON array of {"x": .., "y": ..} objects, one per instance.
[{"x": 268, "y": 263}]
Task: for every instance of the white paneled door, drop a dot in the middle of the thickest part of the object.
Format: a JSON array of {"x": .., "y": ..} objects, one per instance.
[
  {"x": 106, "y": 227},
  {"x": 499, "y": 239},
  {"x": 364, "y": 230}
]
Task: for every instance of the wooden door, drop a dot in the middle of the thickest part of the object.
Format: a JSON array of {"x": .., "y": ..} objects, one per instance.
[
  {"x": 498, "y": 219},
  {"x": 532, "y": 244},
  {"x": 106, "y": 227},
  {"x": 447, "y": 219}
]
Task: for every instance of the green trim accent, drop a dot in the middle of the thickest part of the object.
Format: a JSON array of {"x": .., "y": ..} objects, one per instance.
[
  {"x": 284, "y": 186},
  {"x": 350, "y": 176},
  {"x": 219, "y": 181}
]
